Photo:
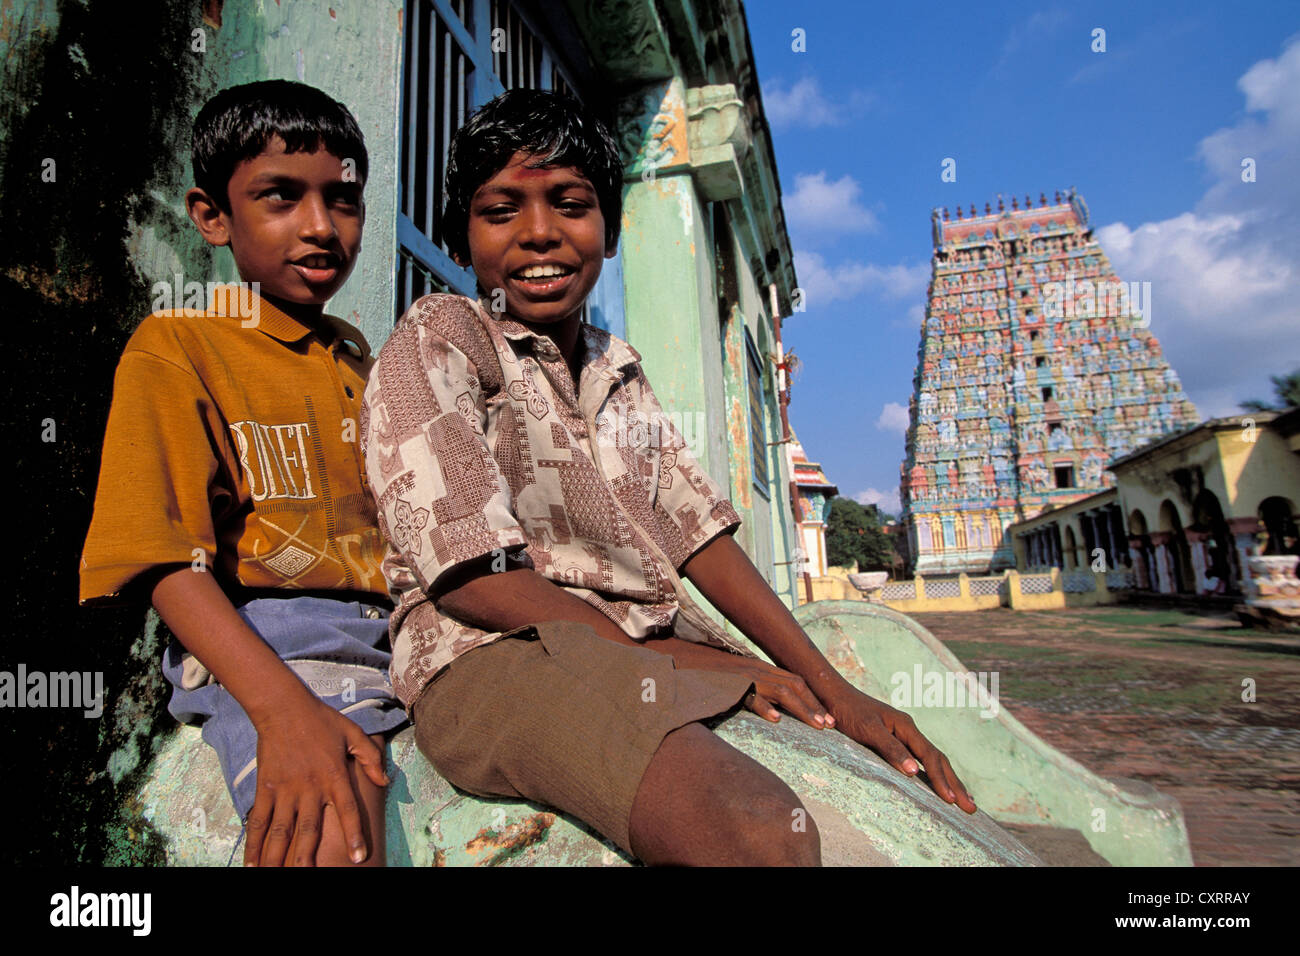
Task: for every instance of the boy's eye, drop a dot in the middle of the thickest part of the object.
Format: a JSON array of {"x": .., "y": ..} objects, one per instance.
[
  {"x": 277, "y": 194},
  {"x": 348, "y": 198}
]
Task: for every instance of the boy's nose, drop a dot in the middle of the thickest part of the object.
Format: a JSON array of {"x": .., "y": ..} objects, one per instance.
[
  {"x": 537, "y": 226},
  {"x": 316, "y": 222}
]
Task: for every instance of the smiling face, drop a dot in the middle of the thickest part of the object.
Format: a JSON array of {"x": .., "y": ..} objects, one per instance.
[
  {"x": 294, "y": 225},
  {"x": 539, "y": 235}
]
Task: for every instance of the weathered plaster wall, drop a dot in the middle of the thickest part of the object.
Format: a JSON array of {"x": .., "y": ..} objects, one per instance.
[
  {"x": 664, "y": 287},
  {"x": 96, "y": 106},
  {"x": 773, "y": 521}
]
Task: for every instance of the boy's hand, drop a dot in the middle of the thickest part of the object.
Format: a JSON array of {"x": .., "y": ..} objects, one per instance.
[
  {"x": 893, "y": 734},
  {"x": 773, "y": 687},
  {"x": 303, "y": 744},
  {"x": 725, "y": 575},
  {"x": 302, "y": 755},
  {"x": 889, "y": 732}
]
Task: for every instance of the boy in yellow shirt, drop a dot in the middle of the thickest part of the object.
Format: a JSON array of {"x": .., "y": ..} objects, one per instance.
[{"x": 232, "y": 489}]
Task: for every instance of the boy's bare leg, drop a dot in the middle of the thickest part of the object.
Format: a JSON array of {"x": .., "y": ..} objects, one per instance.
[
  {"x": 332, "y": 850},
  {"x": 704, "y": 803}
]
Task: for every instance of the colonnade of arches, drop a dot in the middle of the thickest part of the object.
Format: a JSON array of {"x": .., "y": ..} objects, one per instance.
[{"x": 1209, "y": 554}]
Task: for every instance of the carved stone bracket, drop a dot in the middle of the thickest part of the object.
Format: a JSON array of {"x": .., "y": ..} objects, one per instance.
[
  {"x": 718, "y": 133},
  {"x": 665, "y": 129}
]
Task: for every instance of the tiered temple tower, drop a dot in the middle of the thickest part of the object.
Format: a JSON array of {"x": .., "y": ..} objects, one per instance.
[{"x": 1036, "y": 368}]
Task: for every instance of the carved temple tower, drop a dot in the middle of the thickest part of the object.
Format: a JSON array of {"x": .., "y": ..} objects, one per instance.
[{"x": 1036, "y": 368}]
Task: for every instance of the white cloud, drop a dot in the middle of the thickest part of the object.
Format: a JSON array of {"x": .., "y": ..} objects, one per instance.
[
  {"x": 1224, "y": 275},
  {"x": 1031, "y": 33},
  {"x": 823, "y": 283},
  {"x": 818, "y": 208},
  {"x": 887, "y": 501},
  {"x": 804, "y": 104},
  {"x": 801, "y": 105},
  {"x": 915, "y": 316},
  {"x": 893, "y": 418}
]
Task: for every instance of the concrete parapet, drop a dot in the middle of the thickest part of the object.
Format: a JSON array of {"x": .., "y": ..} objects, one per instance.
[
  {"x": 1012, "y": 774},
  {"x": 867, "y": 813}
]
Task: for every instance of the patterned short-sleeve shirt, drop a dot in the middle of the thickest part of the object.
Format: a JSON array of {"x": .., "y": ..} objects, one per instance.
[{"x": 477, "y": 444}]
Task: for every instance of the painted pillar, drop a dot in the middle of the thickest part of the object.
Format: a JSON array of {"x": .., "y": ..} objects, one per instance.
[
  {"x": 1243, "y": 541},
  {"x": 1164, "y": 562},
  {"x": 1196, "y": 544},
  {"x": 1107, "y": 545},
  {"x": 1140, "y": 577},
  {"x": 682, "y": 152},
  {"x": 668, "y": 280}
]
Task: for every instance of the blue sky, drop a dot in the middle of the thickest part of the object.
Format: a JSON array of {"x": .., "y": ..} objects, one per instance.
[{"x": 1152, "y": 132}]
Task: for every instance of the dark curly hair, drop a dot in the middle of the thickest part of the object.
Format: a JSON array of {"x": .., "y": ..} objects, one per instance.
[
  {"x": 555, "y": 129},
  {"x": 238, "y": 122}
]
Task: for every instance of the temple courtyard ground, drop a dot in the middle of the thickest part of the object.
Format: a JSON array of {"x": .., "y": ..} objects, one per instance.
[{"x": 1157, "y": 695}]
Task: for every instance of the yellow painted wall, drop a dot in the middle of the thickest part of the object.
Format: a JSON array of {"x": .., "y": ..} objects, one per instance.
[
  {"x": 1257, "y": 470},
  {"x": 1239, "y": 472}
]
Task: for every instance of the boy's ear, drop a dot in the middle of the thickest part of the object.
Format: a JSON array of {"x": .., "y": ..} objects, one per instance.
[{"x": 207, "y": 217}]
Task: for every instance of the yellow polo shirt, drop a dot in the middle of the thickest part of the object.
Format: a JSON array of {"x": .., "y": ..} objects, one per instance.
[{"x": 233, "y": 441}]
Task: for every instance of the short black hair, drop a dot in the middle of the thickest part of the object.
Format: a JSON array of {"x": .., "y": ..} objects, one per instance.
[
  {"x": 239, "y": 122},
  {"x": 556, "y": 129}
]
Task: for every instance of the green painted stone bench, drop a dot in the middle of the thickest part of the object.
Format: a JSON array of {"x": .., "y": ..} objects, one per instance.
[{"x": 867, "y": 813}]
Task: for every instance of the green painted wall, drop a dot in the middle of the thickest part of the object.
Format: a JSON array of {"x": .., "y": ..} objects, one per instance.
[
  {"x": 697, "y": 366},
  {"x": 664, "y": 286}
]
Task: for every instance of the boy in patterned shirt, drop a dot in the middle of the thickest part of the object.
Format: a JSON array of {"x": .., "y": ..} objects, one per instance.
[{"x": 541, "y": 513}]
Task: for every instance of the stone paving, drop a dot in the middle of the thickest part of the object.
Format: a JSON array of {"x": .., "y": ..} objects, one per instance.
[{"x": 1158, "y": 695}]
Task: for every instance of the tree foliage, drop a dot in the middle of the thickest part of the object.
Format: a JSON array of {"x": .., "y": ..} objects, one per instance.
[
  {"x": 854, "y": 533},
  {"x": 1286, "y": 390}
]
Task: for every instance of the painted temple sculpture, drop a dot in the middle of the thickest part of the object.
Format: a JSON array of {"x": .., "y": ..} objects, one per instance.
[{"x": 1036, "y": 367}]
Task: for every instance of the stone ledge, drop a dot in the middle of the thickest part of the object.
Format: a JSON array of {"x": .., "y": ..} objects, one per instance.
[{"x": 867, "y": 813}]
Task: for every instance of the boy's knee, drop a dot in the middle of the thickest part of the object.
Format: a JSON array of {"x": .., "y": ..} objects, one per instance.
[{"x": 775, "y": 829}]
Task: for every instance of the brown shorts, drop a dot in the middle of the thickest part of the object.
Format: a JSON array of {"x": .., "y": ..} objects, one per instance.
[{"x": 558, "y": 715}]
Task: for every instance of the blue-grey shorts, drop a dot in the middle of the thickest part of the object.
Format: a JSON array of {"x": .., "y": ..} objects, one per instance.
[{"x": 338, "y": 648}]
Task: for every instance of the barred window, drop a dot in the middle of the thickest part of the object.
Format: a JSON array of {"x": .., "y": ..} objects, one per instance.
[
  {"x": 516, "y": 51},
  {"x": 457, "y": 55}
]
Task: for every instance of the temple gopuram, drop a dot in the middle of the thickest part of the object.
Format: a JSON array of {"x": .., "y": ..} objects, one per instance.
[{"x": 1036, "y": 368}]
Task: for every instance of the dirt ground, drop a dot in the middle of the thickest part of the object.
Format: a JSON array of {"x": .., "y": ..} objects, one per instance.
[{"x": 1158, "y": 695}]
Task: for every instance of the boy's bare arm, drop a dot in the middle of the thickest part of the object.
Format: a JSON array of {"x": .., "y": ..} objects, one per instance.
[
  {"x": 725, "y": 575},
  {"x": 302, "y": 743},
  {"x": 506, "y": 600}
]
